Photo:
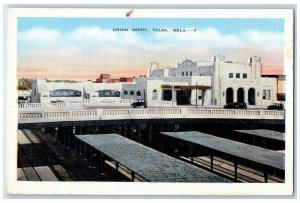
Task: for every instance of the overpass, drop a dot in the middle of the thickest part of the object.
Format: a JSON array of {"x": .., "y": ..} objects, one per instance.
[{"x": 40, "y": 115}]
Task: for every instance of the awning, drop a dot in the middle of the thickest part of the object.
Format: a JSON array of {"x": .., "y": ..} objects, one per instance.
[{"x": 185, "y": 87}]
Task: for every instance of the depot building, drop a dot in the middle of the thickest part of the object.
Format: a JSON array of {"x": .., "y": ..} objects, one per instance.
[
  {"x": 205, "y": 83},
  {"x": 202, "y": 83}
]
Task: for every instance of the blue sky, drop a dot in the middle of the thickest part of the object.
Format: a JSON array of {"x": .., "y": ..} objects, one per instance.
[
  {"x": 227, "y": 26},
  {"x": 48, "y": 45}
]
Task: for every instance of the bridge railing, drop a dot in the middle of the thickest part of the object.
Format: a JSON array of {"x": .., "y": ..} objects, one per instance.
[
  {"x": 74, "y": 103},
  {"x": 159, "y": 113},
  {"x": 91, "y": 102},
  {"x": 84, "y": 113},
  {"x": 31, "y": 105},
  {"x": 56, "y": 114},
  {"x": 27, "y": 116}
]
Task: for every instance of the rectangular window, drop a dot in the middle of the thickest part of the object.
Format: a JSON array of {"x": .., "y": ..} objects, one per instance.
[
  {"x": 268, "y": 96},
  {"x": 187, "y": 73},
  {"x": 244, "y": 75},
  {"x": 191, "y": 73},
  {"x": 230, "y": 75},
  {"x": 182, "y": 73},
  {"x": 237, "y": 75},
  {"x": 264, "y": 94}
]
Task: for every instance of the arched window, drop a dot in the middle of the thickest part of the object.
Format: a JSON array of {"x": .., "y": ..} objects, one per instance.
[
  {"x": 125, "y": 92},
  {"x": 138, "y": 93},
  {"x": 131, "y": 92},
  {"x": 154, "y": 95}
]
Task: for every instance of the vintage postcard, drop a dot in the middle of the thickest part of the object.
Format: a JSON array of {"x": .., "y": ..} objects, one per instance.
[{"x": 150, "y": 101}]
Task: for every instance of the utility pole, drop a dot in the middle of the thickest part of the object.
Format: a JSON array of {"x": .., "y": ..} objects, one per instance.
[
  {"x": 172, "y": 95},
  {"x": 196, "y": 96}
]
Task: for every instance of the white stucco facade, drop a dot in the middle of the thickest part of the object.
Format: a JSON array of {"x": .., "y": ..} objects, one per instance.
[
  {"x": 220, "y": 82},
  {"x": 201, "y": 83},
  {"x": 238, "y": 82},
  {"x": 46, "y": 92},
  {"x": 42, "y": 91}
]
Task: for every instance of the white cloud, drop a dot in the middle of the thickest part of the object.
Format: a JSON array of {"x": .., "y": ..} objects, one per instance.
[
  {"x": 263, "y": 37},
  {"x": 204, "y": 37},
  {"x": 95, "y": 36},
  {"x": 41, "y": 37},
  {"x": 38, "y": 34}
]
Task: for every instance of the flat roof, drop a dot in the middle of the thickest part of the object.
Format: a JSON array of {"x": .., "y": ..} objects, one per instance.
[
  {"x": 264, "y": 133},
  {"x": 244, "y": 151},
  {"x": 148, "y": 163}
]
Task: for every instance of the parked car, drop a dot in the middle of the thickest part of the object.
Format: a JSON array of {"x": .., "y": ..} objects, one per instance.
[
  {"x": 236, "y": 105},
  {"x": 138, "y": 104},
  {"x": 275, "y": 106},
  {"x": 57, "y": 101}
]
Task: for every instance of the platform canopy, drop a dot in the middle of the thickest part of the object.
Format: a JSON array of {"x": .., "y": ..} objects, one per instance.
[
  {"x": 232, "y": 148},
  {"x": 148, "y": 163},
  {"x": 270, "y": 134}
]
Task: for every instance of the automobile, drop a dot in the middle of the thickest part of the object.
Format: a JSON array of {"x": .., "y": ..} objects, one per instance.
[
  {"x": 138, "y": 104},
  {"x": 57, "y": 101},
  {"x": 236, "y": 105},
  {"x": 275, "y": 106}
]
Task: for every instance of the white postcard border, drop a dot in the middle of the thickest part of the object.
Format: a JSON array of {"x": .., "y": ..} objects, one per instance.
[{"x": 108, "y": 188}]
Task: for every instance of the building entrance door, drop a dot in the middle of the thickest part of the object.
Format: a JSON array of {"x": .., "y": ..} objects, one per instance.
[
  {"x": 183, "y": 97},
  {"x": 251, "y": 96},
  {"x": 167, "y": 95},
  {"x": 229, "y": 95}
]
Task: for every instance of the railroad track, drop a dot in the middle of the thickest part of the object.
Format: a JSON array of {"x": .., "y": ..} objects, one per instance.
[
  {"x": 79, "y": 166},
  {"x": 226, "y": 168},
  {"x": 37, "y": 161},
  {"x": 26, "y": 170}
]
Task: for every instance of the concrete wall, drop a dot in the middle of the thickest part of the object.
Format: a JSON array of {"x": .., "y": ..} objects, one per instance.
[{"x": 135, "y": 88}]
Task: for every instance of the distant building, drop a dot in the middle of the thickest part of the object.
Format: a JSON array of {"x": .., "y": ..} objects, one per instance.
[
  {"x": 280, "y": 86},
  {"x": 105, "y": 78}
]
